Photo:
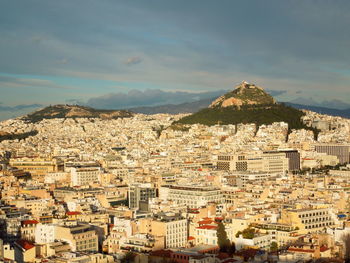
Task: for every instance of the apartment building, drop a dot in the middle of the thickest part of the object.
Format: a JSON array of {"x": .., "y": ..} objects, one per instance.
[
  {"x": 308, "y": 220},
  {"x": 37, "y": 166},
  {"x": 269, "y": 162},
  {"x": 140, "y": 193},
  {"x": 142, "y": 243},
  {"x": 84, "y": 175},
  {"x": 28, "y": 229},
  {"x": 81, "y": 237},
  {"x": 194, "y": 196},
  {"x": 173, "y": 227},
  {"x": 243, "y": 178},
  {"x": 340, "y": 150}
]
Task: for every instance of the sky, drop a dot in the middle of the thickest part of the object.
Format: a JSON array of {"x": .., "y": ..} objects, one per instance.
[{"x": 95, "y": 52}]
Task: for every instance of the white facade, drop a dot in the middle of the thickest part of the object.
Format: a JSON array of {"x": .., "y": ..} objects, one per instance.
[
  {"x": 84, "y": 176},
  {"x": 176, "y": 233},
  {"x": 195, "y": 197},
  {"x": 44, "y": 233}
]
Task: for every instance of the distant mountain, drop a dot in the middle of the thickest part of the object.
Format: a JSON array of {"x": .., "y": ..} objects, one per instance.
[
  {"x": 75, "y": 111},
  {"x": 330, "y": 104},
  {"x": 188, "y": 107},
  {"x": 322, "y": 110},
  {"x": 247, "y": 103}
]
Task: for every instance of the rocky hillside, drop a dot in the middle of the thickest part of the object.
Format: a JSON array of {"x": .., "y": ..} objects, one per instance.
[
  {"x": 75, "y": 111},
  {"x": 243, "y": 94}
]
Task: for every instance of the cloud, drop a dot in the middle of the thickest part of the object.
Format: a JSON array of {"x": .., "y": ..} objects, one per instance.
[
  {"x": 289, "y": 42},
  {"x": 149, "y": 97},
  {"x": 16, "y": 82},
  {"x": 133, "y": 61}
]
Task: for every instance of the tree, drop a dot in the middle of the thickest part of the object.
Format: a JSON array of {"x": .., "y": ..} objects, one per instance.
[
  {"x": 346, "y": 239},
  {"x": 129, "y": 257},
  {"x": 223, "y": 241},
  {"x": 232, "y": 249},
  {"x": 273, "y": 246}
]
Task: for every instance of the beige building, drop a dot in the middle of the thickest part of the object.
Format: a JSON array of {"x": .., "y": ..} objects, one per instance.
[
  {"x": 172, "y": 227},
  {"x": 307, "y": 220},
  {"x": 24, "y": 251},
  {"x": 85, "y": 175},
  {"x": 194, "y": 196},
  {"x": 80, "y": 237},
  {"x": 270, "y": 162},
  {"x": 37, "y": 166}
]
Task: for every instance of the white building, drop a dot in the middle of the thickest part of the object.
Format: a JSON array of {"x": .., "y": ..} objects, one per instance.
[
  {"x": 84, "y": 175},
  {"x": 44, "y": 233},
  {"x": 194, "y": 196}
]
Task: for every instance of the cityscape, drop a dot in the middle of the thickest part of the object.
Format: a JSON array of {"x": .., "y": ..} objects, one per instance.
[{"x": 238, "y": 171}]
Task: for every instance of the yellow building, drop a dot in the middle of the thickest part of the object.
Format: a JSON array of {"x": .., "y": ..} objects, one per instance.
[
  {"x": 307, "y": 220},
  {"x": 80, "y": 237},
  {"x": 37, "y": 166}
]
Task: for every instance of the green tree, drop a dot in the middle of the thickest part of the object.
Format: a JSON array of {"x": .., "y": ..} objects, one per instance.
[
  {"x": 129, "y": 257},
  {"x": 273, "y": 246},
  {"x": 232, "y": 248},
  {"x": 223, "y": 241}
]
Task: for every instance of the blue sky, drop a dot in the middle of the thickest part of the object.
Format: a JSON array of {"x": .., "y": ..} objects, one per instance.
[{"x": 64, "y": 51}]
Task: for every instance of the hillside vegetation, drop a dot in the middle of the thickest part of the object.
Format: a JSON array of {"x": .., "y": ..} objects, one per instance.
[{"x": 75, "y": 111}]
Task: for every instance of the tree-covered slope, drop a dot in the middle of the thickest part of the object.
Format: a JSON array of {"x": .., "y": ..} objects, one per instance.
[{"x": 258, "y": 114}]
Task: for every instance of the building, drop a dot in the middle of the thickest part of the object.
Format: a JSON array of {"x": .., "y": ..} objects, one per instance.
[
  {"x": 140, "y": 193},
  {"x": 293, "y": 158},
  {"x": 24, "y": 251},
  {"x": 340, "y": 150},
  {"x": 81, "y": 237},
  {"x": 37, "y": 166},
  {"x": 245, "y": 177},
  {"x": 173, "y": 227},
  {"x": 143, "y": 243},
  {"x": 44, "y": 233},
  {"x": 194, "y": 196},
  {"x": 84, "y": 175},
  {"x": 28, "y": 229},
  {"x": 270, "y": 162},
  {"x": 308, "y": 220}
]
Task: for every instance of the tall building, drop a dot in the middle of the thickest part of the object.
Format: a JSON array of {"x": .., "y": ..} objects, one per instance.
[
  {"x": 194, "y": 196},
  {"x": 340, "y": 150},
  {"x": 293, "y": 158},
  {"x": 173, "y": 227},
  {"x": 270, "y": 162},
  {"x": 84, "y": 175},
  {"x": 140, "y": 194}
]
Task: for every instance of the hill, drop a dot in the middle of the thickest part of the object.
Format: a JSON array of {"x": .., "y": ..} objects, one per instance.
[
  {"x": 247, "y": 103},
  {"x": 75, "y": 111},
  {"x": 244, "y": 94}
]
